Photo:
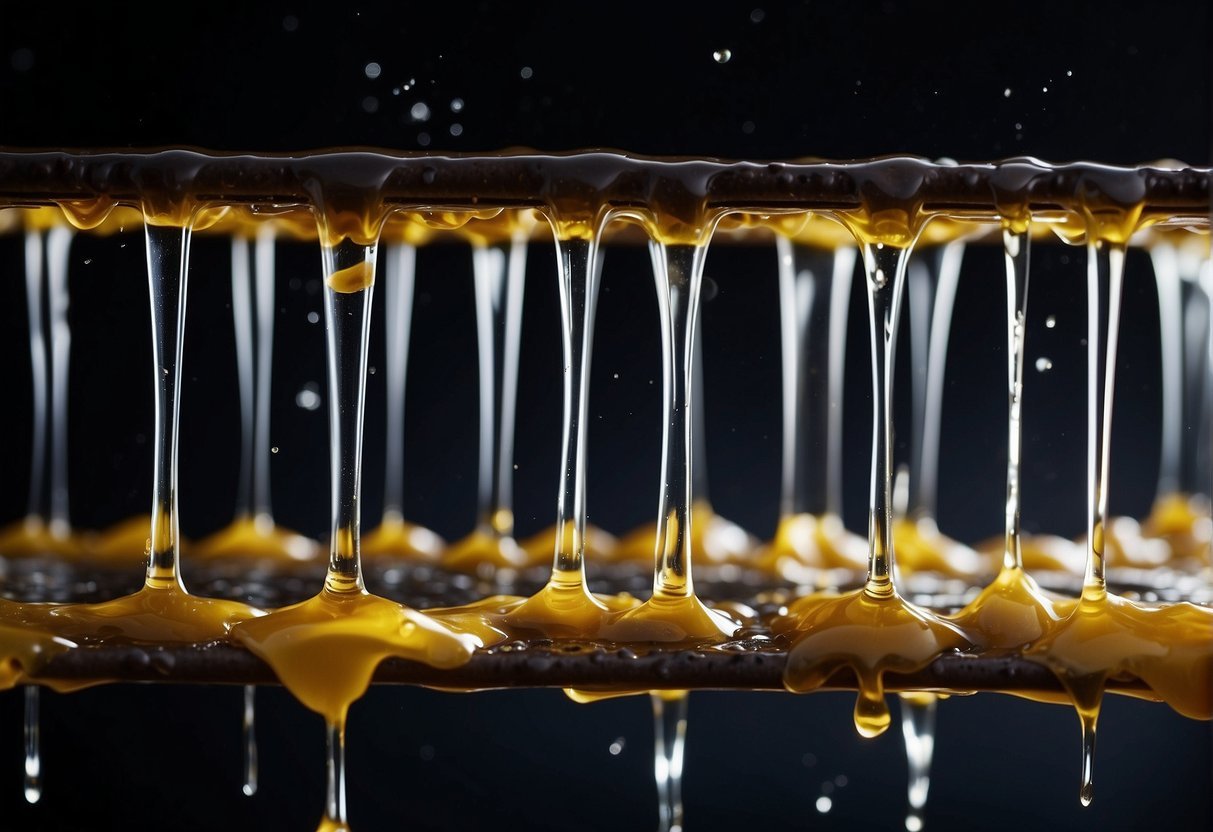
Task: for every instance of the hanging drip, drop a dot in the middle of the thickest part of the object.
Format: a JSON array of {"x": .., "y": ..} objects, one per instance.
[
  {"x": 918, "y": 731},
  {"x": 669, "y": 744}
]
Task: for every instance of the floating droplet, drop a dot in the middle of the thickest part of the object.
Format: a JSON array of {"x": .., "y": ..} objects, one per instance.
[
  {"x": 757, "y": 16},
  {"x": 420, "y": 112},
  {"x": 1051, "y": 321},
  {"x": 313, "y": 317},
  {"x": 1006, "y": 93},
  {"x": 722, "y": 56},
  {"x": 616, "y": 747},
  {"x": 525, "y": 73},
  {"x": 372, "y": 70},
  {"x": 370, "y": 104},
  {"x": 308, "y": 396},
  {"x": 456, "y": 105},
  {"x": 1043, "y": 364},
  {"x": 274, "y": 449},
  {"x": 824, "y": 804},
  {"x": 456, "y": 129}
]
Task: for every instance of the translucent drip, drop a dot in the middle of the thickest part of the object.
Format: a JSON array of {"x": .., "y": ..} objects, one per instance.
[
  {"x": 242, "y": 323},
  {"x": 249, "y": 736},
  {"x": 886, "y": 268},
  {"x": 38, "y": 365},
  {"x": 499, "y": 271},
  {"x": 263, "y": 280},
  {"x": 334, "y": 819},
  {"x": 1016, "y": 246},
  {"x": 669, "y": 744},
  {"x": 168, "y": 271},
  {"x": 349, "y": 269},
  {"x": 399, "y": 280},
  {"x": 932, "y": 295},
  {"x": 1105, "y": 277},
  {"x": 814, "y": 295},
  {"x": 33, "y": 746},
  {"x": 1171, "y": 331},
  {"x": 58, "y": 246},
  {"x": 918, "y": 730}
]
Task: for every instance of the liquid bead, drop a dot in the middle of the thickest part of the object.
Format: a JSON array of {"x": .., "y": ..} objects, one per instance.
[
  {"x": 870, "y": 635},
  {"x": 155, "y": 615},
  {"x": 26, "y": 642},
  {"x": 325, "y": 649},
  {"x": 1008, "y": 614}
]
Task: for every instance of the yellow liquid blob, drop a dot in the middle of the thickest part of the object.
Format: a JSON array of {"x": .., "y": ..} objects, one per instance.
[
  {"x": 810, "y": 542},
  {"x": 325, "y": 649},
  {"x": 714, "y": 540},
  {"x": 921, "y": 547},
  {"x": 541, "y": 548},
  {"x": 396, "y": 537},
  {"x": 125, "y": 543},
  {"x": 868, "y": 634},
  {"x": 353, "y": 278},
  {"x": 259, "y": 538},
  {"x": 31, "y": 536},
  {"x": 484, "y": 551},
  {"x": 680, "y": 620},
  {"x": 1010, "y": 613},
  {"x": 166, "y": 615}
]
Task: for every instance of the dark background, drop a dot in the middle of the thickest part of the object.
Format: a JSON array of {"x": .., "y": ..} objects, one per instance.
[{"x": 1124, "y": 84}]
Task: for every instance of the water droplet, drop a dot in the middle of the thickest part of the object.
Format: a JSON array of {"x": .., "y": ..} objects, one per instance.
[
  {"x": 456, "y": 129},
  {"x": 290, "y": 23},
  {"x": 456, "y": 105},
  {"x": 371, "y": 370},
  {"x": 1043, "y": 364},
  {"x": 1006, "y": 93},
  {"x": 423, "y": 139},
  {"x": 824, "y": 804},
  {"x": 1069, "y": 73},
  {"x": 313, "y": 317},
  {"x": 616, "y": 748},
  {"x": 913, "y": 823},
  {"x": 747, "y": 127},
  {"x": 757, "y": 16},
  {"x": 370, "y": 104},
  {"x": 722, "y": 56},
  {"x": 420, "y": 112},
  {"x": 1044, "y": 89},
  {"x": 274, "y": 449},
  {"x": 88, "y": 261},
  {"x": 840, "y": 781},
  {"x": 308, "y": 396},
  {"x": 525, "y": 73},
  {"x": 372, "y": 70},
  {"x": 1051, "y": 321}
]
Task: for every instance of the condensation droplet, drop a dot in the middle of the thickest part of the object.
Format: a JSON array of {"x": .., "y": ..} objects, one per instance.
[
  {"x": 1051, "y": 321},
  {"x": 757, "y": 16},
  {"x": 616, "y": 747},
  {"x": 824, "y": 804},
  {"x": 370, "y": 104},
  {"x": 313, "y": 317},
  {"x": 423, "y": 139},
  {"x": 420, "y": 112},
  {"x": 456, "y": 105},
  {"x": 308, "y": 397},
  {"x": 274, "y": 449},
  {"x": 1043, "y": 364},
  {"x": 722, "y": 56},
  {"x": 525, "y": 73},
  {"x": 456, "y": 129},
  {"x": 1006, "y": 93},
  {"x": 372, "y": 70}
]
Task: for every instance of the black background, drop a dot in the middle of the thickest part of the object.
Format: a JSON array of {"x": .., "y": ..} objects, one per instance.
[{"x": 1124, "y": 83}]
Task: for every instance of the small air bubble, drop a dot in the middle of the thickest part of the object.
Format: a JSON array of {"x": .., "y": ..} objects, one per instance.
[
  {"x": 456, "y": 105},
  {"x": 1069, "y": 73},
  {"x": 456, "y": 129},
  {"x": 423, "y": 139},
  {"x": 1006, "y": 93},
  {"x": 371, "y": 370},
  {"x": 420, "y": 112},
  {"x": 290, "y": 23},
  {"x": 372, "y": 70},
  {"x": 824, "y": 804},
  {"x": 1044, "y": 364},
  {"x": 840, "y": 781},
  {"x": 913, "y": 823},
  {"x": 747, "y": 127},
  {"x": 274, "y": 449},
  {"x": 1044, "y": 89},
  {"x": 1051, "y": 321},
  {"x": 757, "y": 16},
  {"x": 722, "y": 56},
  {"x": 616, "y": 375},
  {"x": 616, "y": 748},
  {"x": 88, "y": 262},
  {"x": 313, "y": 317},
  {"x": 370, "y": 104},
  {"x": 525, "y": 73}
]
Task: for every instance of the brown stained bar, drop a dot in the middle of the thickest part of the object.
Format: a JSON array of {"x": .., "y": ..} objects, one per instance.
[
  {"x": 733, "y": 666},
  {"x": 582, "y": 181}
]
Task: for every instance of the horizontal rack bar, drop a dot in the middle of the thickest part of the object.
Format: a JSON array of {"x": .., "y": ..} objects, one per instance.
[{"x": 582, "y": 181}]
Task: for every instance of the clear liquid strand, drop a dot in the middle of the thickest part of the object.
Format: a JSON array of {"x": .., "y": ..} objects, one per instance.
[
  {"x": 499, "y": 273},
  {"x": 678, "y": 269},
  {"x": 33, "y": 745},
  {"x": 1017, "y": 251},
  {"x": 1105, "y": 277},
  {"x": 1171, "y": 345},
  {"x": 168, "y": 270},
  {"x": 335, "y": 818},
  {"x": 263, "y": 286},
  {"x": 669, "y": 744},
  {"x": 398, "y": 284},
  {"x": 38, "y": 364},
  {"x": 814, "y": 290},
  {"x": 932, "y": 290},
  {"x": 349, "y": 269},
  {"x": 248, "y": 735},
  {"x": 918, "y": 731},
  {"x": 58, "y": 247},
  {"x": 885, "y": 267},
  {"x": 699, "y": 433},
  {"x": 1086, "y": 791},
  {"x": 579, "y": 273},
  {"x": 242, "y": 323}
]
